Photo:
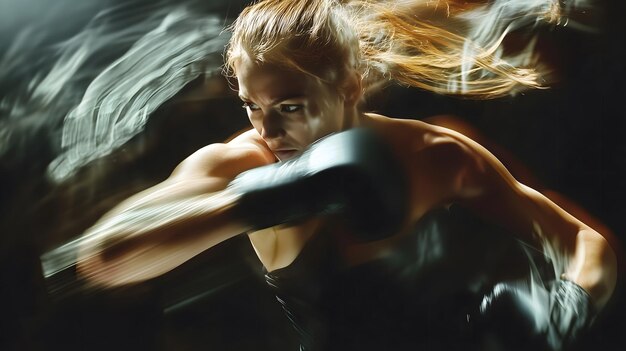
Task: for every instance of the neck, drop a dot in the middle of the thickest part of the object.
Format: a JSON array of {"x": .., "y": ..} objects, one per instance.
[{"x": 353, "y": 118}]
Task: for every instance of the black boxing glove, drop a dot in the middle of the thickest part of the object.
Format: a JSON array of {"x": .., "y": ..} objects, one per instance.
[
  {"x": 352, "y": 173},
  {"x": 529, "y": 316}
]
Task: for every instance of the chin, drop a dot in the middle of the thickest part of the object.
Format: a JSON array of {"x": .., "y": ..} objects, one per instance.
[{"x": 286, "y": 155}]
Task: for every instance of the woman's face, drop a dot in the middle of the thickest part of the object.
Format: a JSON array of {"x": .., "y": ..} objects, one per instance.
[{"x": 290, "y": 110}]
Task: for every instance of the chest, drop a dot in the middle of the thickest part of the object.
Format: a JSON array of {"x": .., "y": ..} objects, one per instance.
[{"x": 278, "y": 246}]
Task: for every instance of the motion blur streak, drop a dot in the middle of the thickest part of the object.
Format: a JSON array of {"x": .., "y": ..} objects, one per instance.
[
  {"x": 105, "y": 81},
  {"x": 128, "y": 60},
  {"x": 119, "y": 101},
  {"x": 490, "y": 24}
]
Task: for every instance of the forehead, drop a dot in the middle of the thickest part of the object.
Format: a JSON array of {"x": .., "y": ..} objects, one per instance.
[{"x": 269, "y": 81}]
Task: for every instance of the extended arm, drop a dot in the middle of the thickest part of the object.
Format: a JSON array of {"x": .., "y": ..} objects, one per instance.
[
  {"x": 352, "y": 173},
  {"x": 162, "y": 227}
]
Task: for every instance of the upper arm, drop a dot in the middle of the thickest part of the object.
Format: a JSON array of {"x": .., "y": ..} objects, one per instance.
[
  {"x": 208, "y": 170},
  {"x": 466, "y": 173},
  {"x": 488, "y": 188},
  {"x": 579, "y": 253},
  {"x": 221, "y": 161}
]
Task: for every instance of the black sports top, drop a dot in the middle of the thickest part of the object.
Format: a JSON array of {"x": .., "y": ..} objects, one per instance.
[{"x": 422, "y": 296}]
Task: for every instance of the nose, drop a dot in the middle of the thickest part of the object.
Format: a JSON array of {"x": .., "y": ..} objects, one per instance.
[{"x": 272, "y": 126}]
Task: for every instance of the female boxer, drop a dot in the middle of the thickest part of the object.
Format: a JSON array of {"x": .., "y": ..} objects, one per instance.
[{"x": 315, "y": 159}]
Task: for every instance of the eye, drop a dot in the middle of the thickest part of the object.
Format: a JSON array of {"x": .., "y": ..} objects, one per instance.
[
  {"x": 250, "y": 106},
  {"x": 289, "y": 108}
]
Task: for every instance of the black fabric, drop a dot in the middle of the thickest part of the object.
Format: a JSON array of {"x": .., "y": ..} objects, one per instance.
[
  {"x": 422, "y": 296},
  {"x": 302, "y": 290}
]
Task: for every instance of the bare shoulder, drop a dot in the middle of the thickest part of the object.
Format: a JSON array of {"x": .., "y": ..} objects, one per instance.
[
  {"x": 226, "y": 160},
  {"x": 416, "y": 137},
  {"x": 443, "y": 164}
]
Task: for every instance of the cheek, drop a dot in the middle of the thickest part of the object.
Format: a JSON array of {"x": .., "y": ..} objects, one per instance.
[
  {"x": 317, "y": 123},
  {"x": 256, "y": 123},
  {"x": 330, "y": 115},
  {"x": 299, "y": 128}
]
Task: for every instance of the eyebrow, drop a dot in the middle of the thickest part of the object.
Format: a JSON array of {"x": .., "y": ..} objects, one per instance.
[{"x": 278, "y": 99}]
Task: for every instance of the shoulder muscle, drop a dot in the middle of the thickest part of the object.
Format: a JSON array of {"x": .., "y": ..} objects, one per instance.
[{"x": 225, "y": 160}]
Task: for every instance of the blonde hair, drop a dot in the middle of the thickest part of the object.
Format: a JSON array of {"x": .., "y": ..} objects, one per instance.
[
  {"x": 419, "y": 43},
  {"x": 309, "y": 36}
]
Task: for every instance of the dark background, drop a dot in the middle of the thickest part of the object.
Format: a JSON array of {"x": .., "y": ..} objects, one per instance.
[{"x": 571, "y": 137}]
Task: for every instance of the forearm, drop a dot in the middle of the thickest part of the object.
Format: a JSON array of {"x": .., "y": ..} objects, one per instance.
[
  {"x": 156, "y": 220},
  {"x": 586, "y": 257},
  {"x": 149, "y": 239},
  {"x": 579, "y": 253}
]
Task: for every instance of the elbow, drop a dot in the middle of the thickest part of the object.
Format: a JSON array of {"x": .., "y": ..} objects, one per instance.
[
  {"x": 610, "y": 267},
  {"x": 599, "y": 277}
]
